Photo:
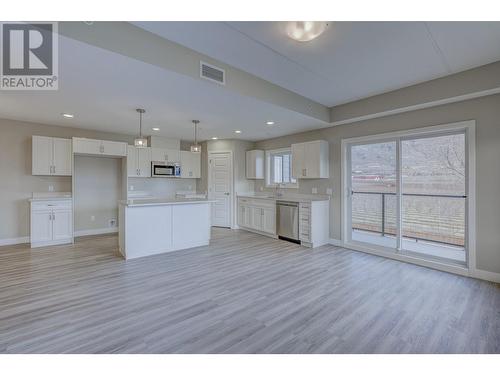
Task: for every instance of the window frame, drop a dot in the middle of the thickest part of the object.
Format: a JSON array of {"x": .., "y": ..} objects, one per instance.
[{"x": 269, "y": 156}]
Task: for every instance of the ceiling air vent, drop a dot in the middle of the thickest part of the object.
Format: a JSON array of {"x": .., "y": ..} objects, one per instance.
[{"x": 212, "y": 73}]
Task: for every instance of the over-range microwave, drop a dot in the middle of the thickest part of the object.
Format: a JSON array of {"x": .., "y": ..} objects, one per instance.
[{"x": 164, "y": 169}]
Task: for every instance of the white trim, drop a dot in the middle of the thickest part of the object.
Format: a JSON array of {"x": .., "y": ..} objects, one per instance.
[
  {"x": 232, "y": 205},
  {"x": 14, "y": 241},
  {"x": 435, "y": 103},
  {"x": 404, "y": 258},
  {"x": 477, "y": 274},
  {"x": 267, "y": 165},
  {"x": 469, "y": 127},
  {"x": 486, "y": 275},
  {"x": 93, "y": 232},
  {"x": 335, "y": 242}
]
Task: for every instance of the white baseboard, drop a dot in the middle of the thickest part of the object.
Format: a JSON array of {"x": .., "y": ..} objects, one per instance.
[
  {"x": 335, "y": 242},
  {"x": 486, "y": 275},
  {"x": 14, "y": 241},
  {"x": 93, "y": 232}
]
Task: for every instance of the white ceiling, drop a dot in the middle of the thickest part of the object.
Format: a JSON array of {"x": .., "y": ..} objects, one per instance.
[
  {"x": 102, "y": 89},
  {"x": 351, "y": 60}
]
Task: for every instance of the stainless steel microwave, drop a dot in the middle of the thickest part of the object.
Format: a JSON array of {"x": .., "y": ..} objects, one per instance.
[{"x": 164, "y": 169}]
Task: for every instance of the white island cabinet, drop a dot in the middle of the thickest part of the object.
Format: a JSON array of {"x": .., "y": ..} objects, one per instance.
[{"x": 151, "y": 226}]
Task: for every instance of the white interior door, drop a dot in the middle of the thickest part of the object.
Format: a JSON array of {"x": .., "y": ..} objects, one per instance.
[{"x": 220, "y": 187}]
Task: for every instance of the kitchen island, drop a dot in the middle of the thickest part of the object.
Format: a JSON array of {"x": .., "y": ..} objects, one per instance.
[{"x": 154, "y": 226}]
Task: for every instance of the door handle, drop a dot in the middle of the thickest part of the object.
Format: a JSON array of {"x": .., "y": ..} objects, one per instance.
[{"x": 226, "y": 193}]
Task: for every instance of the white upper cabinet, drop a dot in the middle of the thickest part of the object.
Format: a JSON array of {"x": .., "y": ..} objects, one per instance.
[
  {"x": 138, "y": 162},
  {"x": 51, "y": 156},
  {"x": 87, "y": 146},
  {"x": 310, "y": 160},
  {"x": 166, "y": 155},
  {"x": 190, "y": 164},
  {"x": 255, "y": 164}
]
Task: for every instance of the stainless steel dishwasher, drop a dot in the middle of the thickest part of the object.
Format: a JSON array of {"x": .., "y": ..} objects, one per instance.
[{"x": 288, "y": 221}]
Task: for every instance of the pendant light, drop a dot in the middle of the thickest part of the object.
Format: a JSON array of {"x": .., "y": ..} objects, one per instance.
[
  {"x": 196, "y": 147},
  {"x": 140, "y": 142}
]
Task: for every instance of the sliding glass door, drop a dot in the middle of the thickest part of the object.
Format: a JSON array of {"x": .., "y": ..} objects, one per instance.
[
  {"x": 373, "y": 193},
  {"x": 434, "y": 196},
  {"x": 408, "y": 194}
]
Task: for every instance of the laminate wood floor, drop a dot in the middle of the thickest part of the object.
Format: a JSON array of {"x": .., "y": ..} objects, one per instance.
[{"x": 242, "y": 294}]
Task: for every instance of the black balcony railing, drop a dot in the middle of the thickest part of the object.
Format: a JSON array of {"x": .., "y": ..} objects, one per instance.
[{"x": 437, "y": 218}]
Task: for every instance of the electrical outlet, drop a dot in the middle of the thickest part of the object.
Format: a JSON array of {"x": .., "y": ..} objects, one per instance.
[
  {"x": 92, "y": 218},
  {"x": 329, "y": 191},
  {"x": 261, "y": 188},
  {"x": 51, "y": 187},
  {"x": 112, "y": 222},
  {"x": 315, "y": 190},
  {"x": 131, "y": 187}
]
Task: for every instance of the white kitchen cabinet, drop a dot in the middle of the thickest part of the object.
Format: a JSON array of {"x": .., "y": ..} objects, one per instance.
[
  {"x": 269, "y": 220},
  {"x": 86, "y": 146},
  {"x": 310, "y": 160},
  {"x": 51, "y": 156},
  {"x": 257, "y": 215},
  {"x": 166, "y": 155},
  {"x": 314, "y": 223},
  {"x": 138, "y": 161},
  {"x": 255, "y": 165},
  {"x": 51, "y": 222},
  {"x": 190, "y": 164},
  {"x": 41, "y": 226}
]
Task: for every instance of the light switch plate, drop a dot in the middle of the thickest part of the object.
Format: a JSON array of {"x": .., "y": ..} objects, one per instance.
[
  {"x": 131, "y": 187},
  {"x": 51, "y": 187},
  {"x": 329, "y": 191},
  {"x": 315, "y": 190}
]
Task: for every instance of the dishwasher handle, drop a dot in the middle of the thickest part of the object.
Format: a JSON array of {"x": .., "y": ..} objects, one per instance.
[{"x": 289, "y": 204}]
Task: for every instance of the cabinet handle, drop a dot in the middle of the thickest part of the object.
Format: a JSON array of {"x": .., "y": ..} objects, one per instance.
[
  {"x": 304, "y": 172},
  {"x": 54, "y": 169}
]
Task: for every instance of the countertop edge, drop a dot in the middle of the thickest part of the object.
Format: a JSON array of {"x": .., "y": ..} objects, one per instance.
[{"x": 166, "y": 203}]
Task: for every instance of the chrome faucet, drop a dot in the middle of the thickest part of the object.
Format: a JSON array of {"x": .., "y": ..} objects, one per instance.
[{"x": 277, "y": 192}]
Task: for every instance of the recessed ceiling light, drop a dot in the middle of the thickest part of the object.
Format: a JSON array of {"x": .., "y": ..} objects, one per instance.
[
  {"x": 215, "y": 138},
  {"x": 305, "y": 31},
  {"x": 68, "y": 115},
  {"x": 270, "y": 123},
  {"x": 237, "y": 131},
  {"x": 156, "y": 129}
]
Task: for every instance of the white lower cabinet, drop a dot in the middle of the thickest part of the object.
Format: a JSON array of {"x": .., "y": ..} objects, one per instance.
[
  {"x": 257, "y": 214},
  {"x": 314, "y": 223},
  {"x": 51, "y": 222}
]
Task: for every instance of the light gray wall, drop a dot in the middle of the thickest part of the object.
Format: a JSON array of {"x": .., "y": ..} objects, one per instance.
[
  {"x": 162, "y": 187},
  {"x": 97, "y": 189},
  {"x": 486, "y": 112}
]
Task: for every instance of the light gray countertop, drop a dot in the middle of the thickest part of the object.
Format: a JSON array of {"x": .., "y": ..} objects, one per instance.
[
  {"x": 286, "y": 197},
  {"x": 162, "y": 202},
  {"x": 49, "y": 196}
]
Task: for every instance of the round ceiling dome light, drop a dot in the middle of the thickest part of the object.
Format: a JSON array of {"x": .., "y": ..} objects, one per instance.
[{"x": 305, "y": 31}]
